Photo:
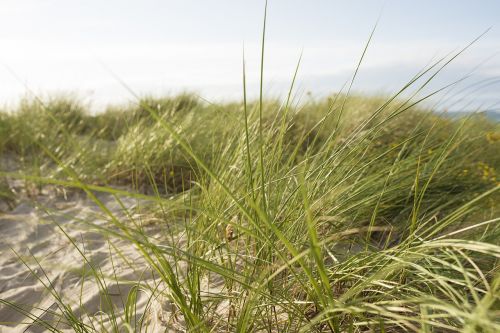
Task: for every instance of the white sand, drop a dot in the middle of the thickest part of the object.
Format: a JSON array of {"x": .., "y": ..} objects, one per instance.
[{"x": 29, "y": 229}]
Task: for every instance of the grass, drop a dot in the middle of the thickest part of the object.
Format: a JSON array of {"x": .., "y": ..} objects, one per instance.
[
  {"x": 368, "y": 223},
  {"x": 345, "y": 214}
]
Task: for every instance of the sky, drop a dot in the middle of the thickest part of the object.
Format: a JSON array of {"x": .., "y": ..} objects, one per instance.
[{"x": 84, "y": 48}]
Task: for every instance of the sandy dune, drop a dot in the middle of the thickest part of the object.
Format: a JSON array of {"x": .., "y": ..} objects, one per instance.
[{"x": 30, "y": 232}]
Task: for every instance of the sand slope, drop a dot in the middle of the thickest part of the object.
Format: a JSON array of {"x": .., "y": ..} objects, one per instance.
[{"x": 31, "y": 230}]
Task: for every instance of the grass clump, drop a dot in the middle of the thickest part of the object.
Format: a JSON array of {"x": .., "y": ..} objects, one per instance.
[{"x": 362, "y": 222}]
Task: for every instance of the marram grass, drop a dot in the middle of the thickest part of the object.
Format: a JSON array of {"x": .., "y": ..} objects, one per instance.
[{"x": 369, "y": 224}]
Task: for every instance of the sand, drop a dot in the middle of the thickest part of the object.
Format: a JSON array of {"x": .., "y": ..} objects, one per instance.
[{"x": 30, "y": 232}]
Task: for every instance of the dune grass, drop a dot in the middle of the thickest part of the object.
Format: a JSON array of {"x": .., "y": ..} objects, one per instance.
[{"x": 362, "y": 222}]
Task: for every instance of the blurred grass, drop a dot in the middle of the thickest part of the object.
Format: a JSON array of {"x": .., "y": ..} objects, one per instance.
[{"x": 127, "y": 145}]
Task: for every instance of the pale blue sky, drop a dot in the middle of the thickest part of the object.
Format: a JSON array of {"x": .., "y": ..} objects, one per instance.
[{"x": 166, "y": 46}]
